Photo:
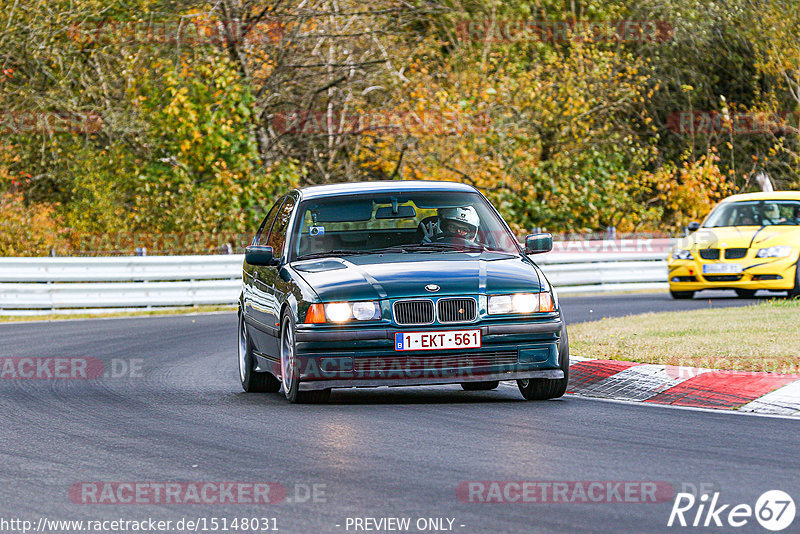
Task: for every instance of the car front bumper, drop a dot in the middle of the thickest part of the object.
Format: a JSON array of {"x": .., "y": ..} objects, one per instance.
[
  {"x": 777, "y": 274},
  {"x": 365, "y": 357}
]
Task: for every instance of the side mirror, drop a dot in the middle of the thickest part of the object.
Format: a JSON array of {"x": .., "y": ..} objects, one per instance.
[
  {"x": 693, "y": 226},
  {"x": 538, "y": 243},
  {"x": 259, "y": 255}
]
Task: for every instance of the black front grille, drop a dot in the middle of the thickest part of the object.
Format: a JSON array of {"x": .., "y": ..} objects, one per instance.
[
  {"x": 722, "y": 277},
  {"x": 402, "y": 363},
  {"x": 709, "y": 253},
  {"x": 457, "y": 310},
  {"x": 735, "y": 253},
  {"x": 413, "y": 312}
]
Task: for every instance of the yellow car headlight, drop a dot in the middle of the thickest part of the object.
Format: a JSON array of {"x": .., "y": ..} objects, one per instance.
[{"x": 778, "y": 251}]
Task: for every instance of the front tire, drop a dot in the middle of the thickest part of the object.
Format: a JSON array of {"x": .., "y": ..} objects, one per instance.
[
  {"x": 480, "y": 386},
  {"x": 546, "y": 388},
  {"x": 252, "y": 381},
  {"x": 290, "y": 372},
  {"x": 681, "y": 295}
]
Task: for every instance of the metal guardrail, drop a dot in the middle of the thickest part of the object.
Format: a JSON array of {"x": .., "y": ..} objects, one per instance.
[
  {"x": 580, "y": 272},
  {"x": 30, "y": 286}
]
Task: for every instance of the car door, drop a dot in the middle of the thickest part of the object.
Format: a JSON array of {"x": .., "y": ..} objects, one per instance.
[
  {"x": 271, "y": 275},
  {"x": 255, "y": 291}
]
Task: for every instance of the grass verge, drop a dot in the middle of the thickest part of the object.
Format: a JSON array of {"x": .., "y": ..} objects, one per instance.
[
  {"x": 89, "y": 315},
  {"x": 761, "y": 337}
]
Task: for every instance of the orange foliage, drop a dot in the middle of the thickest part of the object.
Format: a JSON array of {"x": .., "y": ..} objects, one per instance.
[{"x": 28, "y": 230}]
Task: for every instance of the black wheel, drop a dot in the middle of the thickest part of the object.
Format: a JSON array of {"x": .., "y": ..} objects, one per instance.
[
  {"x": 480, "y": 386},
  {"x": 680, "y": 295},
  {"x": 252, "y": 382},
  {"x": 290, "y": 373},
  {"x": 545, "y": 388},
  {"x": 795, "y": 293},
  {"x": 745, "y": 293}
]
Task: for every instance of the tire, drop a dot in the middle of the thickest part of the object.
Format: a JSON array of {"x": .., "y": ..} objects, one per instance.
[
  {"x": 290, "y": 376},
  {"x": 680, "y": 295},
  {"x": 480, "y": 386},
  {"x": 545, "y": 388},
  {"x": 252, "y": 382},
  {"x": 795, "y": 293},
  {"x": 745, "y": 293}
]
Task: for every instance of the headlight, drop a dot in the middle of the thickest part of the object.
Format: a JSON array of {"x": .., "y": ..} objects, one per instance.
[
  {"x": 681, "y": 254},
  {"x": 365, "y": 311},
  {"x": 341, "y": 312},
  {"x": 338, "y": 312},
  {"x": 779, "y": 251},
  {"x": 521, "y": 303}
]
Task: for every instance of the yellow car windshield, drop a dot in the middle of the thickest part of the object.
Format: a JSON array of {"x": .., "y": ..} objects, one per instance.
[{"x": 755, "y": 213}]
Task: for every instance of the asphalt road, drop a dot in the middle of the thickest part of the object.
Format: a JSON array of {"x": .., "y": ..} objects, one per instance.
[{"x": 181, "y": 416}]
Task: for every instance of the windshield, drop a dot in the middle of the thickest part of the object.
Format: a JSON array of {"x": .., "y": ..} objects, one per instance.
[
  {"x": 755, "y": 213},
  {"x": 402, "y": 223}
]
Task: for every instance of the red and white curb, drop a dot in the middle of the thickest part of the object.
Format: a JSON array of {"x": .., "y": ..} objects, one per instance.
[{"x": 766, "y": 393}]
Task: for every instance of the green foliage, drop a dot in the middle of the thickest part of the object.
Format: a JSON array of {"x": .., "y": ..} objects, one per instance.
[{"x": 200, "y": 172}]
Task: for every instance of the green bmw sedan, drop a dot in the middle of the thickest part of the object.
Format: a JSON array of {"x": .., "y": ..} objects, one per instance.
[{"x": 399, "y": 283}]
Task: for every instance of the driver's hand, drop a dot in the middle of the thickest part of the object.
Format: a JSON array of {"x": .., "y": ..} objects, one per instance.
[{"x": 427, "y": 231}]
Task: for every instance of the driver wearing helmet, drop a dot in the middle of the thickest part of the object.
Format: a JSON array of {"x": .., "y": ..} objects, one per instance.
[
  {"x": 458, "y": 223},
  {"x": 773, "y": 213}
]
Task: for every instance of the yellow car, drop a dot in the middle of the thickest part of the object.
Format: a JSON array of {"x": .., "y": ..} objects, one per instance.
[{"x": 748, "y": 242}]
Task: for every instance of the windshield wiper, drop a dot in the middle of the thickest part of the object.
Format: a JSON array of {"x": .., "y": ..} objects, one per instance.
[
  {"x": 335, "y": 252},
  {"x": 431, "y": 247}
]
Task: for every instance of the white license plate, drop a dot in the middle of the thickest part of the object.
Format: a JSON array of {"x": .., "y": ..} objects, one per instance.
[
  {"x": 722, "y": 268},
  {"x": 449, "y": 339}
]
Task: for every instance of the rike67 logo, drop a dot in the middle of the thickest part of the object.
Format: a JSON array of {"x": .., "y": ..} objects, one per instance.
[{"x": 774, "y": 510}]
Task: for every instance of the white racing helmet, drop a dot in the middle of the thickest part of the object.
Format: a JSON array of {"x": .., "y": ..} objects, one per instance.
[
  {"x": 772, "y": 211},
  {"x": 461, "y": 221}
]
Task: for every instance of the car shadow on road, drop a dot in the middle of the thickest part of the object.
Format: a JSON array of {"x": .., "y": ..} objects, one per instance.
[
  {"x": 421, "y": 395},
  {"x": 405, "y": 395},
  {"x": 729, "y": 294}
]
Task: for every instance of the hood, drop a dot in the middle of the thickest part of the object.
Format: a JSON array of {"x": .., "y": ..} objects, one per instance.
[
  {"x": 740, "y": 237},
  {"x": 373, "y": 277}
]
